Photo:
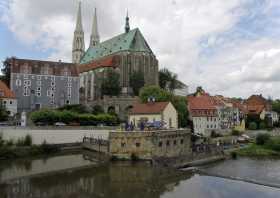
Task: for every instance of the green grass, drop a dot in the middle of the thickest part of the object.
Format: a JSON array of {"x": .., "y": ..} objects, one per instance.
[{"x": 254, "y": 150}]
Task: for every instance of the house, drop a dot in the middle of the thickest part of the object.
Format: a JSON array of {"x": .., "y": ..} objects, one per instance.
[
  {"x": 258, "y": 105},
  {"x": 43, "y": 84},
  {"x": 154, "y": 111},
  {"x": 8, "y": 99},
  {"x": 204, "y": 113},
  {"x": 213, "y": 113}
]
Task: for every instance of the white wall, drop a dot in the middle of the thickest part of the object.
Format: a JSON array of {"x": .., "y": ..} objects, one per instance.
[
  {"x": 170, "y": 113},
  {"x": 52, "y": 136},
  {"x": 201, "y": 124},
  {"x": 10, "y": 107}
]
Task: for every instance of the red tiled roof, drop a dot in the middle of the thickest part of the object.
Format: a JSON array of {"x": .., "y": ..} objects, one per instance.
[
  {"x": 255, "y": 109},
  {"x": 149, "y": 108},
  {"x": 202, "y": 102},
  {"x": 5, "y": 92},
  {"x": 111, "y": 61}
]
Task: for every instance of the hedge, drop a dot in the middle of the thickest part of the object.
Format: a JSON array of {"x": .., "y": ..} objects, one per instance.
[{"x": 52, "y": 116}]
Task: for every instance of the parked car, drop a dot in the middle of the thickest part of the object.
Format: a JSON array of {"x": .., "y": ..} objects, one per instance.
[{"x": 60, "y": 124}]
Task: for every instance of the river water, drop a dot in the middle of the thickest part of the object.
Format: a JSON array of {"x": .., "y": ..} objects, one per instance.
[{"x": 75, "y": 176}]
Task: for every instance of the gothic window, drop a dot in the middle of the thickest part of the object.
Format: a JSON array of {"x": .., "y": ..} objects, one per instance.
[{"x": 18, "y": 82}]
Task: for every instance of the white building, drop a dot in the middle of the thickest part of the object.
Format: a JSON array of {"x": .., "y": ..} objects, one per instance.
[
  {"x": 8, "y": 99},
  {"x": 154, "y": 111}
]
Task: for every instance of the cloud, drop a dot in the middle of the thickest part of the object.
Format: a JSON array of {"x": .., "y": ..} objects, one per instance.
[{"x": 228, "y": 47}]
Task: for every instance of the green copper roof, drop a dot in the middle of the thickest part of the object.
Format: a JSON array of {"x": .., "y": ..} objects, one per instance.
[{"x": 131, "y": 41}]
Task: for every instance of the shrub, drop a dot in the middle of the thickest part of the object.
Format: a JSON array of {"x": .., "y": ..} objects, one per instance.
[
  {"x": 20, "y": 142},
  {"x": 235, "y": 132},
  {"x": 27, "y": 140},
  {"x": 262, "y": 125},
  {"x": 97, "y": 109},
  {"x": 273, "y": 144},
  {"x": 262, "y": 138},
  {"x": 252, "y": 126},
  {"x": 10, "y": 142},
  {"x": 77, "y": 108}
]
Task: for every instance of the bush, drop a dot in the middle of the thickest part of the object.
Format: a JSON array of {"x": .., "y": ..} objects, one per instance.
[
  {"x": 262, "y": 125},
  {"x": 273, "y": 144},
  {"x": 262, "y": 138},
  {"x": 235, "y": 132},
  {"x": 27, "y": 140},
  {"x": 76, "y": 108},
  {"x": 10, "y": 142},
  {"x": 252, "y": 126}
]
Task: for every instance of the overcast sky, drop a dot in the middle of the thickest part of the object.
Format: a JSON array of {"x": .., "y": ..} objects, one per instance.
[{"x": 230, "y": 47}]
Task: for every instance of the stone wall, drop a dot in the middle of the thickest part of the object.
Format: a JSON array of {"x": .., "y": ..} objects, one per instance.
[{"x": 151, "y": 144}]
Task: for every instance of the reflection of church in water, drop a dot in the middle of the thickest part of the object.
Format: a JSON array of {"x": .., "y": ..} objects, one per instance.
[
  {"x": 124, "y": 54},
  {"x": 114, "y": 180}
]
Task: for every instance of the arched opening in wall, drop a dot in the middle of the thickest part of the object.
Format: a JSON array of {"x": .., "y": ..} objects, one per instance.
[{"x": 111, "y": 110}]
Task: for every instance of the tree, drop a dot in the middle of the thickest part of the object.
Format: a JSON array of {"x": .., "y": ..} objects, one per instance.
[
  {"x": 97, "y": 109},
  {"x": 276, "y": 106},
  {"x": 3, "y": 112},
  {"x": 169, "y": 81},
  {"x": 161, "y": 95},
  {"x": 6, "y": 71},
  {"x": 111, "y": 84},
  {"x": 136, "y": 81}
]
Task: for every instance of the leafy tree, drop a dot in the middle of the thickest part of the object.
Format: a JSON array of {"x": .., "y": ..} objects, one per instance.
[
  {"x": 77, "y": 108},
  {"x": 136, "y": 81},
  {"x": 111, "y": 84},
  {"x": 3, "y": 112},
  {"x": 6, "y": 71},
  {"x": 252, "y": 126},
  {"x": 262, "y": 138},
  {"x": 276, "y": 106},
  {"x": 161, "y": 95},
  {"x": 169, "y": 81},
  {"x": 97, "y": 109}
]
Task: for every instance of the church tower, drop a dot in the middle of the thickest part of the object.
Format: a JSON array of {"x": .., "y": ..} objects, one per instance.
[
  {"x": 127, "y": 27},
  {"x": 78, "y": 49},
  {"x": 94, "y": 37}
]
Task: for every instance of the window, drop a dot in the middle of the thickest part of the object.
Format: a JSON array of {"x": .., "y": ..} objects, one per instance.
[
  {"x": 122, "y": 144},
  {"x": 52, "y": 84},
  {"x": 38, "y": 93},
  {"x": 26, "y": 91},
  {"x": 167, "y": 143},
  {"x": 38, "y": 77},
  {"x": 207, "y": 126},
  {"x": 5, "y": 102},
  {"x": 18, "y": 82},
  {"x": 39, "y": 83},
  {"x": 37, "y": 106},
  {"x": 11, "y": 102},
  {"x": 27, "y": 82},
  {"x": 67, "y": 102},
  {"x": 174, "y": 142},
  {"x": 160, "y": 144},
  {"x": 170, "y": 122},
  {"x": 137, "y": 144},
  {"x": 182, "y": 141}
]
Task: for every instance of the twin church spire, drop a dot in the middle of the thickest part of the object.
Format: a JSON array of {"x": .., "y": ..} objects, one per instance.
[{"x": 78, "y": 49}]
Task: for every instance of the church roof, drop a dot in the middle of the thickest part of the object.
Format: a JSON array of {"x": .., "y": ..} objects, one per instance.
[{"x": 130, "y": 41}]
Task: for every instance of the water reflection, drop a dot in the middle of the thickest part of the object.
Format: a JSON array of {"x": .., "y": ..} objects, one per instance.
[{"x": 129, "y": 180}]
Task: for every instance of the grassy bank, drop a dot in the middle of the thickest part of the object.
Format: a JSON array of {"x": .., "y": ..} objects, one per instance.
[
  {"x": 254, "y": 150},
  {"x": 264, "y": 146}
]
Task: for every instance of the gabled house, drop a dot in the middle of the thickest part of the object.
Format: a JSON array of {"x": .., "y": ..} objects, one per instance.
[
  {"x": 154, "y": 111},
  {"x": 8, "y": 99}
]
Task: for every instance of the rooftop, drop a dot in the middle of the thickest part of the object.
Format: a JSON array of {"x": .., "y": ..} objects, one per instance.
[
  {"x": 149, "y": 108},
  {"x": 5, "y": 92}
]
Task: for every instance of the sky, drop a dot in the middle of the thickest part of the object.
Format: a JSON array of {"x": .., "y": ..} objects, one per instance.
[{"x": 229, "y": 47}]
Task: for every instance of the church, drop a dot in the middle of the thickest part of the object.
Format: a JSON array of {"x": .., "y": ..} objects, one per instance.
[{"x": 124, "y": 54}]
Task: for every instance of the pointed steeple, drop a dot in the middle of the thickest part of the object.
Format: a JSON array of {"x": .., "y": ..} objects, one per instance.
[
  {"x": 94, "y": 38},
  {"x": 78, "y": 48},
  {"x": 79, "y": 25},
  {"x": 127, "y": 27}
]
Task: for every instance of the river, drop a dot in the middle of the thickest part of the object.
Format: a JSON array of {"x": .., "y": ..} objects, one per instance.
[{"x": 75, "y": 176}]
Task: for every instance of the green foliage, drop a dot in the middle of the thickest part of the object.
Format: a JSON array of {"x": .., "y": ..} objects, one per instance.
[
  {"x": 97, "y": 109},
  {"x": 77, "y": 108},
  {"x": 252, "y": 119},
  {"x": 27, "y": 140},
  {"x": 111, "y": 84},
  {"x": 252, "y": 126},
  {"x": 262, "y": 138},
  {"x": 273, "y": 144},
  {"x": 254, "y": 150},
  {"x": 3, "y": 112},
  {"x": 169, "y": 81},
  {"x": 235, "y": 132},
  {"x": 276, "y": 106},
  {"x": 155, "y": 91},
  {"x": 52, "y": 116},
  {"x": 262, "y": 125},
  {"x": 179, "y": 102},
  {"x": 136, "y": 81},
  {"x": 10, "y": 142}
]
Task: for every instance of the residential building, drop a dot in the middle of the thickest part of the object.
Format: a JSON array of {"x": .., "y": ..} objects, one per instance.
[
  {"x": 154, "y": 111},
  {"x": 43, "y": 84},
  {"x": 8, "y": 99},
  {"x": 258, "y": 105},
  {"x": 212, "y": 113}
]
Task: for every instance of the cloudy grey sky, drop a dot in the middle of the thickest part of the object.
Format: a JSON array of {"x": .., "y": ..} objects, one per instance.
[{"x": 230, "y": 47}]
